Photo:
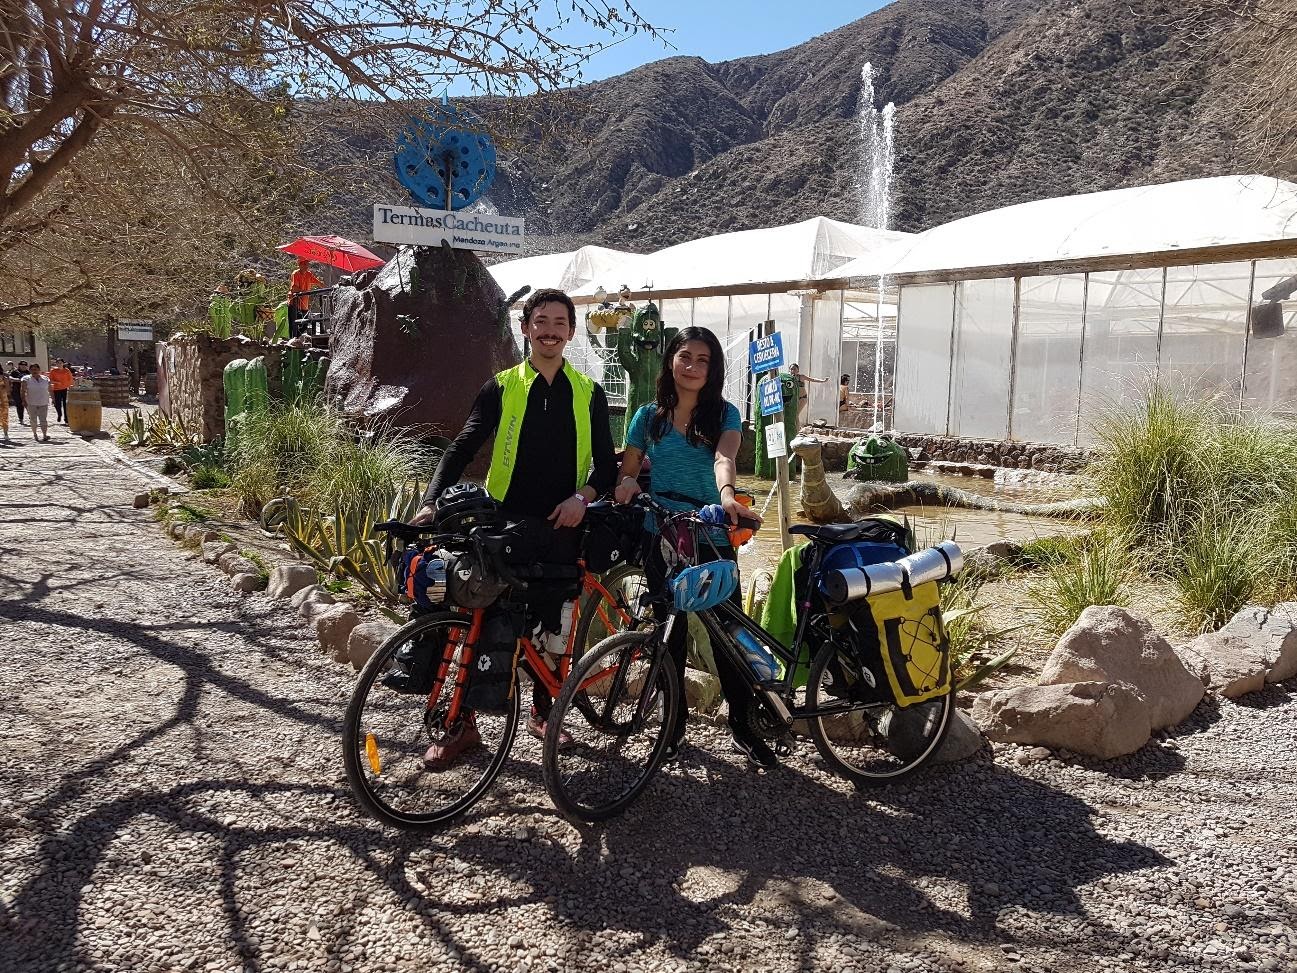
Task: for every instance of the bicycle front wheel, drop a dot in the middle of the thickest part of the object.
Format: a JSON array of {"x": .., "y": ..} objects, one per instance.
[
  {"x": 387, "y": 733},
  {"x": 611, "y": 725},
  {"x": 871, "y": 741}
]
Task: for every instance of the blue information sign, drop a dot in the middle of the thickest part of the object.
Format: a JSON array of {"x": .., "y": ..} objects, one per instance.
[
  {"x": 766, "y": 353},
  {"x": 772, "y": 396}
]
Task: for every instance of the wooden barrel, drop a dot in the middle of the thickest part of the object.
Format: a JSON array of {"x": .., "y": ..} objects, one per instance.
[{"x": 85, "y": 413}]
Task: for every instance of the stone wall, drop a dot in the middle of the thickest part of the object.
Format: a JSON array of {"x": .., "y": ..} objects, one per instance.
[
  {"x": 990, "y": 452},
  {"x": 950, "y": 449},
  {"x": 193, "y": 368}
]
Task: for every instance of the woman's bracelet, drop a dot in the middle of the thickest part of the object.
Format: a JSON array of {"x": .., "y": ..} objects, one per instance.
[
  {"x": 732, "y": 488},
  {"x": 581, "y": 496}
]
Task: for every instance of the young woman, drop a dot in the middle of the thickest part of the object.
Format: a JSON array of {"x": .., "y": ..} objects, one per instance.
[{"x": 691, "y": 435}]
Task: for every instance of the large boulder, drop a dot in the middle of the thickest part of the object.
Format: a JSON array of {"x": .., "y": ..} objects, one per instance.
[
  {"x": 1254, "y": 647},
  {"x": 413, "y": 346},
  {"x": 1109, "y": 644},
  {"x": 287, "y": 580},
  {"x": 333, "y": 627},
  {"x": 1102, "y": 719},
  {"x": 365, "y": 639},
  {"x": 963, "y": 740}
]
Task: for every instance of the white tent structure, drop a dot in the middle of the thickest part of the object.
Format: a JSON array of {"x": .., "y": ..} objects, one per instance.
[
  {"x": 730, "y": 283},
  {"x": 1027, "y": 322},
  {"x": 568, "y": 271}
]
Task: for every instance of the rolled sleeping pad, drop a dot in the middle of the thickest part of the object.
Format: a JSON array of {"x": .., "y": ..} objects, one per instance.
[{"x": 931, "y": 564}]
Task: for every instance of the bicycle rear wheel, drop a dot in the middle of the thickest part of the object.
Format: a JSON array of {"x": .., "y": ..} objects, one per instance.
[
  {"x": 630, "y": 683},
  {"x": 619, "y": 611},
  {"x": 875, "y": 742},
  {"x": 386, "y": 733}
]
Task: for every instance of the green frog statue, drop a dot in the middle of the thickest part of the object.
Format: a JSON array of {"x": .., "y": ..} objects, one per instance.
[{"x": 640, "y": 348}]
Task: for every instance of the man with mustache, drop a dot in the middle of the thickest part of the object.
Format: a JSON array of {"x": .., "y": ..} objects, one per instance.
[{"x": 553, "y": 455}]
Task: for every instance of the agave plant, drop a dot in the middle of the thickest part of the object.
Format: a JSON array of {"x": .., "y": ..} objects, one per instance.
[
  {"x": 167, "y": 432},
  {"x": 132, "y": 431},
  {"x": 342, "y": 541}
]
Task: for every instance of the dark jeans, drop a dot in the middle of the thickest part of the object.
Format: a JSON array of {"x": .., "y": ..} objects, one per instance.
[
  {"x": 733, "y": 685},
  {"x": 61, "y": 405},
  {"x": 546, "y": 545},
  {"x": 16, "y": 395}
]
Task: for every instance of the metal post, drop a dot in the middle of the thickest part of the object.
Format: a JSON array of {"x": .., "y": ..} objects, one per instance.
[
  {"x": 1247, "y": 335},
  {"x": 766, "y": 329},
  {"x": 1013, "y": 354}
]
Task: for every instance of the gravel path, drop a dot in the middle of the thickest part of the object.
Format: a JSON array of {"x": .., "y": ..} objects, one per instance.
[{"x": 171, "y": 797}]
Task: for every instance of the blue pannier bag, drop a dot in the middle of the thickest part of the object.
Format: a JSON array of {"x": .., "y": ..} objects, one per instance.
[
  {"x": 886, "y": 541},
  {"x": 423, "y": 576}
]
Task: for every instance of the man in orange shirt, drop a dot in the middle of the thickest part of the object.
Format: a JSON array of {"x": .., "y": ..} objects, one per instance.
[
  {"x": 298, "y": 303},
  {"x": 60, "y": 377}
]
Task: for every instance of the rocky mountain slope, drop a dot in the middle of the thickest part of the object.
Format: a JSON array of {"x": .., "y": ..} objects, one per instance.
[{"x": 998, "y": 102}]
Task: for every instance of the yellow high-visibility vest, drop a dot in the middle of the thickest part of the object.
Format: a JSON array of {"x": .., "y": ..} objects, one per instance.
[{"x": 515, "y": 385}]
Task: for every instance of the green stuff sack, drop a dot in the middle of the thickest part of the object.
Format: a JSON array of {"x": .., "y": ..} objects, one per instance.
[{"x": 913, "y": 643}]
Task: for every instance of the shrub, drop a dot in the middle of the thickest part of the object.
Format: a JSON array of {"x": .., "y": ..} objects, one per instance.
[
  {"x": 1221, "y": 560},
  {"x": 971, "y": 642},
  {"x": 1096, "y": 576},
  {"x": 280, "y": 448},
  {"x": 208, "y": 478},
  {"x": 1043, "y": 552}
]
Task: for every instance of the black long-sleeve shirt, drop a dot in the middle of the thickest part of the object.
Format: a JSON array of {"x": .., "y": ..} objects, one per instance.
[{"x": 542, "y": 473}]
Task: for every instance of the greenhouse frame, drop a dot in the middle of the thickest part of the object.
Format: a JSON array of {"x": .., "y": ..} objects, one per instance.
[
  {"x": 730, "y": 283},
  {"x": 1030, "y": 322}
]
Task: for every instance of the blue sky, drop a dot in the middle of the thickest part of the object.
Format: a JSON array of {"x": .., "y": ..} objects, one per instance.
[
  {"x": 718, "y": 30},
  {"x": 715, "y": 30}
]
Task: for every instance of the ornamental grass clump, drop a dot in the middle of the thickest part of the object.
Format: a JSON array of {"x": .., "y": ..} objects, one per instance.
[
  {"x": 1205, "y": 499},
  {"x": 1221, "y": 562},
  {"x": 278, "y": 451},
  {"x": 1096, "y": 574}
]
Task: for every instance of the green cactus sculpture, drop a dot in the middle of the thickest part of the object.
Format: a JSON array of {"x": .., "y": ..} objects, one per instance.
[
  {"x": 640, "y": 348},
  {"x": 304, "y": 375},
  {"x": 765, "y": 467}
]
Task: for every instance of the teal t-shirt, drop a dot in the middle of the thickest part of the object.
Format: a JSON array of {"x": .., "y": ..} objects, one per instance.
[{"x": 679, "y": 467}]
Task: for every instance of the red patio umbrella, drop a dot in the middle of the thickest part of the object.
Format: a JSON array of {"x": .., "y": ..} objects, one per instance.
[{"x": 334, "y": 251}]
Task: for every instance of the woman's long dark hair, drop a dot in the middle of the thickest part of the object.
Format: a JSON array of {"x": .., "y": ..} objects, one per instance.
[{"x": 709, "y": 414}]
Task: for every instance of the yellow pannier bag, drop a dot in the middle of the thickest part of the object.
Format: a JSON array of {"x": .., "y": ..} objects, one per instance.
[{"x": 913, "y": 643}]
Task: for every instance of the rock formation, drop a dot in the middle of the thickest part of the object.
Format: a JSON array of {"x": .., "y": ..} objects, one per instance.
[{"x": 413, "y": 344}]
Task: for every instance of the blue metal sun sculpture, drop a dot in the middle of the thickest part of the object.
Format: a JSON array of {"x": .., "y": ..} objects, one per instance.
[{"x": 442, "y": 149}]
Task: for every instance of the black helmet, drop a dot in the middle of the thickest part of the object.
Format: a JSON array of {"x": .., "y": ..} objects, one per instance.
[{"x": 464, "y": 506}]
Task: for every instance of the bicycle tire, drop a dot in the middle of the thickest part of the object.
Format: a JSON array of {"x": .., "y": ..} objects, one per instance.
[
  {"x": 355, "y": 737},
  {"x": 558, "y": 780},
  {"x": 590, "y": 627},
  {"x": 937, "y": 712}
]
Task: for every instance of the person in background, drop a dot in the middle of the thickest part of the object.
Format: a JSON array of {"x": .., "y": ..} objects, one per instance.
[
  {"x": 15, "y": 387},
  {"x": 803, "y": 396},
  {"x": 4, "y": 404},
  {"x": 844, "y": 394},
  {"x": 60, "y": 381},
  {"x": 298, "y": 301},
  {"x": 36, "y": 397}
]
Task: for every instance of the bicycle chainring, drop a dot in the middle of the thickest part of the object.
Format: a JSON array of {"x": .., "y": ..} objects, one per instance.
[{"x": 764, "y": 724}]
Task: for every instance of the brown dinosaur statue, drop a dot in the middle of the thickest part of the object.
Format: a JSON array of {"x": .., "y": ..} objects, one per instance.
[{"x": 822, "y": 505}]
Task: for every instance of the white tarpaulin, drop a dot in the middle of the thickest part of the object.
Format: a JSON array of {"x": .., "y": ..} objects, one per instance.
[
  {"x": 1184, "y": 215},
  {"x": 568, "y": 271},
  {"x": 796, "y": 252}
]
